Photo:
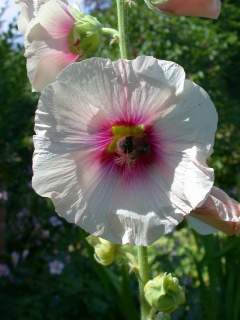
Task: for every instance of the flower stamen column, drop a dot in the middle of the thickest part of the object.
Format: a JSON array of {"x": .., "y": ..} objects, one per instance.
[{"x": 142, "y": 251}]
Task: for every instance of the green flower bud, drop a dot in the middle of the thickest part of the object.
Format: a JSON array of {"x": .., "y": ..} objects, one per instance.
[
  {"x": 164, "y": 293},
  {"x": 105, "y": 251},
  {"x": 86, "y": 34}
]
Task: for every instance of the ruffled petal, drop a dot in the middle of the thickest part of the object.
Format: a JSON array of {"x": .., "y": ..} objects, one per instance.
[
  {"x": 218, "y": 212},
  {"x": 44, "y": 63},
  {"x": 28, "y": 11},
  {"x": 26, "y": 14},
  {"x": 122, "y": 89},
  {"x": 187, "y": 133},
  {"x": 190, "y": 124},
  {"x": 150, "y": 85},
  {"x": 156, "y": 72}
]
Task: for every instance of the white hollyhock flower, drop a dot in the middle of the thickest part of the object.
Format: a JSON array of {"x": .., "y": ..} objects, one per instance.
[{"x": 121, "y": 147}]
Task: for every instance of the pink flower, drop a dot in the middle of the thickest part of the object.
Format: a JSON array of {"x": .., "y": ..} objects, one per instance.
[
  {"x": 56, "y": 267},
  {"x": 15, "y": 258},
  {"x": 121, "y": 147},
  {"x": 219, "y": 212},
  {"x": 4, "y": 270},
  {"x": 3, "y": 196},
  {"x": 55, "y": 38},
  {"x": 55, "y": 222},
  {"x": 198, "y": 8}
]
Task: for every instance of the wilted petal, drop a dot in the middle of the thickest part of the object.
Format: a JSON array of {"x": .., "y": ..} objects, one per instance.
[{"x": 219, "y": 212}]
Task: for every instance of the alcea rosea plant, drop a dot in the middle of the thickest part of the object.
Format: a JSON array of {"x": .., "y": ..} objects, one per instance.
[{"x": 121, "y": 147}]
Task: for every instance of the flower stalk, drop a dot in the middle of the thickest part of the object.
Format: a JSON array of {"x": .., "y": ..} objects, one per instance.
[
  {"x": 143, "y": 279},
  {"x": 122, "y": 15}
]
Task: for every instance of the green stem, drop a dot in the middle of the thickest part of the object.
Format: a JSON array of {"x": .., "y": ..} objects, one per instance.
[
  {"x": 143, "y": 279},
  {"x": 121, "y": 12}
]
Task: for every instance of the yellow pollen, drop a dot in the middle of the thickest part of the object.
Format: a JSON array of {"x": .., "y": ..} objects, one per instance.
[{"x": 124, "y": 131}]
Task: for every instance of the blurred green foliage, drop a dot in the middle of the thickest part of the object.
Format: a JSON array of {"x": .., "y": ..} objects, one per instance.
[{"x": 207, "y": 266}]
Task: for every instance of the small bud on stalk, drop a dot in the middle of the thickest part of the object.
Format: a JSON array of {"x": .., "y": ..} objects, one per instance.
[
  {"x": 164, "y": 293},
  {"x": 105, "y": 251}
]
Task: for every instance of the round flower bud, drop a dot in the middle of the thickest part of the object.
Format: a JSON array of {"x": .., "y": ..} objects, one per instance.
[
  {"x": 105, "y": 251},
  {"x": 86, "y": 34},
  {"x": 164, "y": 293}
]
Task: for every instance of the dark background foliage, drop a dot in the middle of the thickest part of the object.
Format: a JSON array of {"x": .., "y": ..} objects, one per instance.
[{"x": 79, "y": 288}]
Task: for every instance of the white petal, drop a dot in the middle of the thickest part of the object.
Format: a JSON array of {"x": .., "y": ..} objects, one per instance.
[
  {"x": 81, "y": 94},
  {"x": 56, "y": 177},
  {"x": 44, "y": 63},
  {"x": 159, "y": 73},
  {"x": 190, "y": 124},
  {"x": 28, "y": 10},
  {"x": 152, "y": 85},
  {"x": 191, "y": 183},
  {"x": 187, "y": 132},
  {"x": 55, "y": 17},
  {"x": 26, "y": 14}
]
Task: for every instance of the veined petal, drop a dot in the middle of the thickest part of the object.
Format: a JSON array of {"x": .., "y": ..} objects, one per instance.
[
  {"x": 150, "y": 85},
  {"x": 45, "y": 63},
  {"x": 159, "y": 72},
  {"x": 119, "y": 89},
  {"x": 189, "y": 125}
]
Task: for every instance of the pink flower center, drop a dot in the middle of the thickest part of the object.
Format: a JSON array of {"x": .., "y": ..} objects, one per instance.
[
  {"x": 129, "y": 144},
  {"x": 131, "y": 149}
]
